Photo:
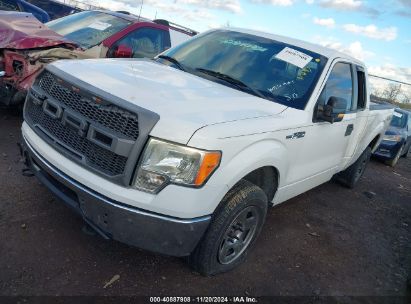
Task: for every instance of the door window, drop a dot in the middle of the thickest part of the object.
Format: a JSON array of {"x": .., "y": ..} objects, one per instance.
[
  {"x": 339, "y": 84},
  {"x": 9, "y": 5},
  {"x": 144, "y": 42}
]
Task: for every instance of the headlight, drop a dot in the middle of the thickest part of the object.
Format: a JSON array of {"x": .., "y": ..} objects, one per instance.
[
  {"x": 395, "y": 138},
  {"x": 165, "y": 163}
]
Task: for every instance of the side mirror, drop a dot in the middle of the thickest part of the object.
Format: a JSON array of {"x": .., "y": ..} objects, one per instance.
[
  {"x": 334, "y": 110},
  {"x": 123, "y": 51}
]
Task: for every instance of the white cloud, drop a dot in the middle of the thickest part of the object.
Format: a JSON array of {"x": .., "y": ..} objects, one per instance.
[
  {"x": 327, "y": 22},
  {"x": 354, "y": 49},
  {"x": 342, "y": 4},
  {"x": 275, "y": 2},
  {"x": 351, "y": 5},
  {"x": 405, "y": 2},
  {"x": 233, "y": 6},
  {"x": 309, "y": 1},
  {"x": 372, "y": 31}
]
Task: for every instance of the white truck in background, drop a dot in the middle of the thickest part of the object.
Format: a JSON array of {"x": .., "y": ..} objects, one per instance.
[{"x": 184, "y": 154}]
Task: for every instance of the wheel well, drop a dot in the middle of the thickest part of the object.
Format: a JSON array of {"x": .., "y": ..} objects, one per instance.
[
  {"x": 373, "y": 143},
  {"x": 266, "y": 178}
]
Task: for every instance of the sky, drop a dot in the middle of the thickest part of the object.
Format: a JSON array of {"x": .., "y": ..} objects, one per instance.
[{"x": 377, "y": 32}]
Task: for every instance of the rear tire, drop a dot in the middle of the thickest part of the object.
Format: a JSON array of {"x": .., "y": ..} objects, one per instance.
[
  {"x": 235, "y": 226},
  {"x": 350, "y": 176}
]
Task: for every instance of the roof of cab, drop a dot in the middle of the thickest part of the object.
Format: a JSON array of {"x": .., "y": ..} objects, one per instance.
[
  {"x": 327, "y": 52},
  {"x": 402, "y": 111},
  {"x": 128, "y": 17}
]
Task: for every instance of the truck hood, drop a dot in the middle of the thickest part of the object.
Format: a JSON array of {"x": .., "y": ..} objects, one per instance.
[
  {"x": 395, "y": 131},
  {"x": 185, "y": 102},
  {"x": 23, "y": 31}
]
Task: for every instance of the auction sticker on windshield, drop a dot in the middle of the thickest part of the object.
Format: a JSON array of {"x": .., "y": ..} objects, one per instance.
[
  {"x": 294, "y": 57},
  {"x": 98, "y": 25}
]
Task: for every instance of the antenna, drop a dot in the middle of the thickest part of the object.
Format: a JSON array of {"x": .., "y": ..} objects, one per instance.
[
  {"x": 393, "y": 80},
  {"x": 141, "y": 7}
]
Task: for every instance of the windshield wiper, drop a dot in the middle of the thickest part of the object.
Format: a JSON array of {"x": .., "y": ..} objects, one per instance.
[
  {"x": 173, "y": 60},
  {"x": 236, "y": 82}
]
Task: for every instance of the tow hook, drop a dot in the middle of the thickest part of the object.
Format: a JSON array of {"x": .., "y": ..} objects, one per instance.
[{"x": 26, "y": 171}]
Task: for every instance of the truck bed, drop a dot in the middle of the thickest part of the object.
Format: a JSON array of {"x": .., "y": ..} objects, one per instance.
[{"x": 380, "y": 106}]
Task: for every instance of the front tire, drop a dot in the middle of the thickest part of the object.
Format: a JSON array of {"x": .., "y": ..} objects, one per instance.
[
  {"x": 405, "y": 155},
  {"x": 235, "y": 226},
  {"x": 350, "y": 176},
  {"x": 394, "y": 161}
]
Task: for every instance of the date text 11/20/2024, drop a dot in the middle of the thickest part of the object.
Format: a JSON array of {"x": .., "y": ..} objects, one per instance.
[{"x": 240, "y": 299}]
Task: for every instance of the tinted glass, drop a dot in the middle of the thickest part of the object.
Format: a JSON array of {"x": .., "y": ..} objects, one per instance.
[
  {"x": 145, "y": 42},
  {"x": 88, "y": 28},
  {"x": 362, "y": 90},
  {"x": 8, "y": 5},
  {"x": 399, "y": 120},
  {"x": 253, "y": 61},
  {"x": 339, "y": 84}
]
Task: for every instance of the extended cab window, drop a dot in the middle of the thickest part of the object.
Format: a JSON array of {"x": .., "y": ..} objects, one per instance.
[
  {"x": 362, "y": 89},
  {"x": 339, "y": 84},
  {"x": 8, "y": 5},
  {"x": 256, "y": 65},
  {"x": 145, "y": 42}
]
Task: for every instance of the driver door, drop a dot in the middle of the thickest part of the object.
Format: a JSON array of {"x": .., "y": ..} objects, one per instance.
[{"x": 325, "y": 144}]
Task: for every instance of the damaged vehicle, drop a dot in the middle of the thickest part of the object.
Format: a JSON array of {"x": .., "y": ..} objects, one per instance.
[{"x": 27, "y": 45}]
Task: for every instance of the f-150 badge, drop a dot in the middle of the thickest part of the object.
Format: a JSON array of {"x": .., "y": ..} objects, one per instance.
[{"x": 296, "y": 135}]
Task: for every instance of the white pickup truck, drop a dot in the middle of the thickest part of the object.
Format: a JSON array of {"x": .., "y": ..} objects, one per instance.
[{"x": 183, "y": 154}]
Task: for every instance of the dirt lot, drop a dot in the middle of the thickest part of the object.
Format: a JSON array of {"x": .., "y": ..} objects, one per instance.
[{"x": 329, "y": 241}]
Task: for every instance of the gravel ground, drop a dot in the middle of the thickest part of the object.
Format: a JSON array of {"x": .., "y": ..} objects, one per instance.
[{"x": 330, "y": 241}]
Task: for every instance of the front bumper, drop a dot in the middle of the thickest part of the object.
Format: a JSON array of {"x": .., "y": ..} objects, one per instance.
[
  {"x": 388, "y": 150},
  {"x": 113, "y": 220}
]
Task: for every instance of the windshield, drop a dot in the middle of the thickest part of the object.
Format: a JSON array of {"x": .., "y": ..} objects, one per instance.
[
  {"x": 88, "y": 28},
  {"x": 263, "y": 67},
  {"x": 399, "y": 120}
]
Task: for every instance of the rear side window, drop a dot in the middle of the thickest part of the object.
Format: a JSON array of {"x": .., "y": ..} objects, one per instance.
[
  {"x": 8, "y": 5},
  {"x": 339, "y": 84},
  {"x": 362, "y": 90},
  {"x": 145, "y": 42}
]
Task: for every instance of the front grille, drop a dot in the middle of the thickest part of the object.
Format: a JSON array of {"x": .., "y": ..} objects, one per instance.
[
  {"x": 96, "y": 157},
  {"x": 110, "y": 116}
]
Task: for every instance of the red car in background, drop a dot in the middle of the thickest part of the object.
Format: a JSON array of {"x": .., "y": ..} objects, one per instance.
[{"x": 26, "y": 44}]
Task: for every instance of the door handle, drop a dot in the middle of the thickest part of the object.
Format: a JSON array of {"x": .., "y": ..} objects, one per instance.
[{"x": 349, "y": 130}]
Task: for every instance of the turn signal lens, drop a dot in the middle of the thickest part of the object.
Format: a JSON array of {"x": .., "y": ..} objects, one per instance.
[{"x": 210, "y": 162}]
